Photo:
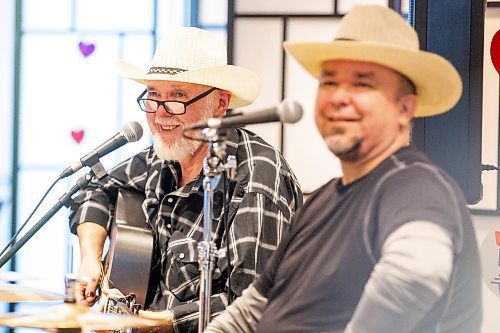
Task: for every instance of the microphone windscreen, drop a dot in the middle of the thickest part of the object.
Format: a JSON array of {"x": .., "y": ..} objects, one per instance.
[
  {"x": 132, "y": 131},
  {"x": 289, "y": 111}
]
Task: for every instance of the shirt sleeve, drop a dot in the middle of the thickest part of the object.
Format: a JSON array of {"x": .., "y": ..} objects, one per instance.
[
  {"x": 410, "y": 276},
  {"x": 96, "y": 202},
  {"x": 242, "y": 316}
]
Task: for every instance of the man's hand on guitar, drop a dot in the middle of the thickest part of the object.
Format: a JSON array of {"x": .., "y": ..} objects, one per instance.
[
  {"x": 92, "y": 237},
  {"x": 86, "y": 289}
]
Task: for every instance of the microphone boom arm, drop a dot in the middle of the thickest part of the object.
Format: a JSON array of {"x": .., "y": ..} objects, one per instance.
[{"x": 64, "y": 200}]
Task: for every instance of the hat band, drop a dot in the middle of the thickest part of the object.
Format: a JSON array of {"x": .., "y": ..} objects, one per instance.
[{"x": 165, "y": 70}]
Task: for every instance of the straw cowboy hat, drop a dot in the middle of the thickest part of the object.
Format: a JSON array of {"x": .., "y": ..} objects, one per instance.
[
  {"x": 379, "y": 35},
  {"x": 193, "y": 55}
]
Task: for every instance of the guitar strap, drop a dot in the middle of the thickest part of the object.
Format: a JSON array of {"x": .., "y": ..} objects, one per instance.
[
  {"x": 228, "y": 187},
  {"x": 155, "y": 275}
]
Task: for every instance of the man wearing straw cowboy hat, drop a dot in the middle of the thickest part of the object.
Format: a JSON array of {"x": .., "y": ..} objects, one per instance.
[
  {"x": 389, "y": 246},
  {"x": 189, "y": 81}
]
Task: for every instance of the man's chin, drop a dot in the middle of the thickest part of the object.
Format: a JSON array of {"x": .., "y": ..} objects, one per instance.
[
  {"x": 177, "y": 150},
  {"x": 345, "y": 151}
]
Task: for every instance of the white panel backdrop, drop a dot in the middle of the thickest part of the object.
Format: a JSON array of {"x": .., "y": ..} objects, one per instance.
[
  {"x": 491, "y": 98},
  {"x": 284, "y": 6},
  {"x": 258, "y": 48}
]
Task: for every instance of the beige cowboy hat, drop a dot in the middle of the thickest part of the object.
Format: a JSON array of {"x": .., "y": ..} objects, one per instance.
[
  {"x": 193, "y": 55},
  {"x": 379, "y": 35}
]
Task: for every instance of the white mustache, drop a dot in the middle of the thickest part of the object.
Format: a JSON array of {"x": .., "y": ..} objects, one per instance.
[{"x": 168, "y": 122}]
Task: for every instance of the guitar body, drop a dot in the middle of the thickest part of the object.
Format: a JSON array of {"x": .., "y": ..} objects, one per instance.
[{"x": 128, "y": 262}]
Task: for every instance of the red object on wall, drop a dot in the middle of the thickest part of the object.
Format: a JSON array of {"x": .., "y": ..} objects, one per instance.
[
  {"x": 495, "y": 54},
  {"x": 497, "y": 237}
]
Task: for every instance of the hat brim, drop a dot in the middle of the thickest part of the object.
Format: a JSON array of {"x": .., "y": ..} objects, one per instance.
[
  {"x": 243, "y": 84},
  {"x": 437, "y": 82}
]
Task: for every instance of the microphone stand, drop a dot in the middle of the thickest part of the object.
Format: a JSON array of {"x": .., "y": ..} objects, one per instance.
[
  {"x": 64, "y": 200},
  {"x": 213, "y": 165}
]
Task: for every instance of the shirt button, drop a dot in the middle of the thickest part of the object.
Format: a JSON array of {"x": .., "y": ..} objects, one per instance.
[
  {"x": 169, "y": 225},
  {"x": 181, "y": 255},
  {"x": 170, "y": 200}
]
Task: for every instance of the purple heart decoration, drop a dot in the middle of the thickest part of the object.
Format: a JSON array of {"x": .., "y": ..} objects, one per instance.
[{"x": 86, "y": 49}]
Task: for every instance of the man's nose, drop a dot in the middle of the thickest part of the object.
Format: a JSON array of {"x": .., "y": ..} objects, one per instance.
[
  {"x": 340, "y": 96},
  {"x": 162, "y": 111}
]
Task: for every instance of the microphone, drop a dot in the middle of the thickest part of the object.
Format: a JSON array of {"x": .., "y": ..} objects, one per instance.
[
  {"x": 131, "y": 132},
  {"x": 288, "y": 111}
]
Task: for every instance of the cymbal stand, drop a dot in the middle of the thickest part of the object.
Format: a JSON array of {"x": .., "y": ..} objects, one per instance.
[{"x": 213, "y": 165}]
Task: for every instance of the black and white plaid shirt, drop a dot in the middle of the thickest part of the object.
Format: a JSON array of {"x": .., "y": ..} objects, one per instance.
[{"x": 265, "y": 196}]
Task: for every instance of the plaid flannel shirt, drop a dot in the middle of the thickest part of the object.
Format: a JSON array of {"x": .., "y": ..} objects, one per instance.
[{"x": 265, "y": 196}]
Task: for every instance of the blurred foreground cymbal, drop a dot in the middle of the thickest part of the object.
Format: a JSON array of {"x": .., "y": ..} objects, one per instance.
[
  {"x": 12, "y": 293},
  {"x": 68, "y": 315},
  {"x": 60, "y": 316},
  {"x": 14, "y": 276}
]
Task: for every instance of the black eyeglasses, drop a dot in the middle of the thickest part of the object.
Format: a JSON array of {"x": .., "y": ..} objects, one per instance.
[{"x": 173, "y": 107}]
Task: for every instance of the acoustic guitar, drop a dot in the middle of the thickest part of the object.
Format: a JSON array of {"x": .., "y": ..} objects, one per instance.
[{"x": 128, "y": 262}]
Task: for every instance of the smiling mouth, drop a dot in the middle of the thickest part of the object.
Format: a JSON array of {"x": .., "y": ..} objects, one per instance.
[
  {"x": 168, "y": 127},
  {"x": 342, "y": 119}
]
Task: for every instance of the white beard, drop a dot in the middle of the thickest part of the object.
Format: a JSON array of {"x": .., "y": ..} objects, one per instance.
[{"x": 177, "y": 150}]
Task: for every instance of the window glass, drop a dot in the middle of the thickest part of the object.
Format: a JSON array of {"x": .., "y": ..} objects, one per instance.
[
  {"x": 343, "y": 6},
  {"x": 47, "y": 15},
  {"x": 171, "y": 13},
  {"x": 114, "y": 15},
  {"x": 284, "y": 7}
]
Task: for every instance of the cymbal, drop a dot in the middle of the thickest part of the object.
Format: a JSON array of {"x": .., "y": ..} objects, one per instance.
[
  {"x": 60, "y": 316},
  {"x": 69, "y": 315},
  {"x": 111, "y": 321},
  {"x": 14, "y": 276},
  {"x": 12, "y": 293}
]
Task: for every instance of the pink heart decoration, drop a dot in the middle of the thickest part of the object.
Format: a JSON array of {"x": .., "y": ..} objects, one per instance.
[
  {"x": 78, "y": 135},
  {"x": 86, "y": 49}
]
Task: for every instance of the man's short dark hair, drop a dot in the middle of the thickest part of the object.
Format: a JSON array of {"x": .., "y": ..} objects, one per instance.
[{"x": 407, "y": 87}]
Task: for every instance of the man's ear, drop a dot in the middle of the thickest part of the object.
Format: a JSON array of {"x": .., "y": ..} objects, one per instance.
[
  {"x": 222, "y": 102},
  {"x": 407, "y": 108}
]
